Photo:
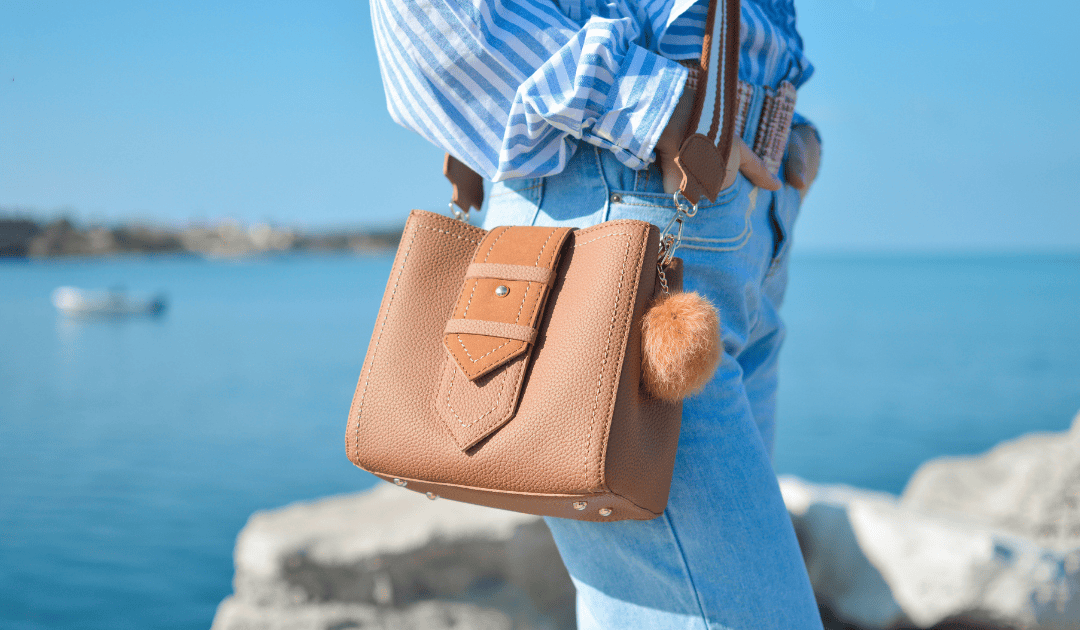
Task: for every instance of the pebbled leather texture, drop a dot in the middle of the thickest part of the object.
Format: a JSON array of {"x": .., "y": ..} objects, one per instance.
[{"x": 563, "y": 422}]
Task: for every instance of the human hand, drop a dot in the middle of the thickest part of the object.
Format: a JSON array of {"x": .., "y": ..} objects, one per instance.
[
  {"x": 743, "y": 159},
  {"x": 803, "y": 158},
  {"x": 800, "y": 165},
  {"x": 671, "y": 139}
]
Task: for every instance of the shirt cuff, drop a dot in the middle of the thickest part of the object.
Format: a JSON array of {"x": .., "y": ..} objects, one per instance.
[{"x": 642, "y": 99}]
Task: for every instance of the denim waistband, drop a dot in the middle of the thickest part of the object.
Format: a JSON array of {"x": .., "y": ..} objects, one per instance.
[{"x": 594, "y": 175}]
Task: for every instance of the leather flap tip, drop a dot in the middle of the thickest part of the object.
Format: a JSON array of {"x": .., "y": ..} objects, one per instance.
[
  {"x": 502, "y": 297},
  {"x": 493, "y": 327}
]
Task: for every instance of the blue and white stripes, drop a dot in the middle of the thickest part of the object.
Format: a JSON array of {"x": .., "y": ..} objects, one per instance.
[{"x": 510, "y": 87}]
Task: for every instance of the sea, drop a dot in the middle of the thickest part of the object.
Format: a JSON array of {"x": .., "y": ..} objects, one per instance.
[{"x": 132, "y": 451}]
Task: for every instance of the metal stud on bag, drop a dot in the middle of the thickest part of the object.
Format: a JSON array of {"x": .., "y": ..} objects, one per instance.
[
  {"x": 580, "y": 505},
  {"x": 398, "y": 482}
]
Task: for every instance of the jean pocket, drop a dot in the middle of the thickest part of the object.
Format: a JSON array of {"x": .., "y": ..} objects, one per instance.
[
  {"x": 720, "y": 225},
  {"x": 782, "y": 212},
  {"x": 726, "y": 224}
]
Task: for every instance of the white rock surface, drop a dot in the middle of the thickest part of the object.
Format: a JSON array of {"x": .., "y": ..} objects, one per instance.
[
  {"x": 1029, "y": 486},
  {"x": 991, "y": 541},
  {"x": 236, "y": 614},
  {"x": 988, "y": 540},
  {"x": 371, "y": 560}
]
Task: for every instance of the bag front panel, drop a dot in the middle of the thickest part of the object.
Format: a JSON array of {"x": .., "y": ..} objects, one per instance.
[{"x": 555, "y": 442}]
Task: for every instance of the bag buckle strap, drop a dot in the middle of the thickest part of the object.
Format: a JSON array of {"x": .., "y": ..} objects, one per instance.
[{"x": 502, "y": 297}]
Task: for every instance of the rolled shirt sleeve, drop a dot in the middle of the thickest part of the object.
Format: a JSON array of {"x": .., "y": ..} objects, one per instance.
[{"x": 510, "y": 88}]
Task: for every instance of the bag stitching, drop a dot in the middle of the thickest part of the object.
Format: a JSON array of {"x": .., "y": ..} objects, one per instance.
[
  {"x": 476, "y": 283},
  {"x": 523, "y": 298},
  {"x": 543, "y": 248},
  {"x": 602, "y": 464},
  {"x": 498, "y": 401},
  {"x": 607, "y": 225},
  {"x": 607, "y": 350},
  {"x": 375, "y": 350},
  {"x": 488, "y": 255},
  {"x": 460, "y": 238},
  {"x": 485, "y": 354},
  {"x": 576, "y": 245},
  {"x": 555, "y": 252}
]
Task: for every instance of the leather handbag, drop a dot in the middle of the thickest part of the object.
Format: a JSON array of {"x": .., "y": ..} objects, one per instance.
[{"x": 505, "y": 365}]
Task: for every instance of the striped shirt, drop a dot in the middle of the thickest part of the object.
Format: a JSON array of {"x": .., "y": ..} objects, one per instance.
[{"x": 511, "y": 87}]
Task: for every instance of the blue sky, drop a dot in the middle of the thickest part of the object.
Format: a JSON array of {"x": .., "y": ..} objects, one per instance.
[{"x": 947, "y": 126}]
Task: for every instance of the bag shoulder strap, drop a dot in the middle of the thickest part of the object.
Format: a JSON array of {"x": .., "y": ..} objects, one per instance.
[{"x": 704, "y": 155}]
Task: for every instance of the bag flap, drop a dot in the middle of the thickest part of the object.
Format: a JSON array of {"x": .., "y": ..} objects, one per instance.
[
  {"x": 503, "y": 295},
  {"x": 492, "y": 328}
]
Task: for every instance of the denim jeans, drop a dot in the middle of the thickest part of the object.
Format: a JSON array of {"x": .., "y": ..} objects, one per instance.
[{"x": 723, "y": 554}]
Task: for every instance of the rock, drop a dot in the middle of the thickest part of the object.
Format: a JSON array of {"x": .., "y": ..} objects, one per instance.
[
  {"x": 986, "y": 541},
  {"x": 371, "y": 559},
  {"x": 1029, "y": 486},
  {"x": 236, "y": 614},
  {"x": 982, "y": 542}
]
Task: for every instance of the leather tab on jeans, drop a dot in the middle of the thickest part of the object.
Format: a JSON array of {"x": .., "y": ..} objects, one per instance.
[
  {"x": 703, "y": 168},
  {"x": 468, "y": 185}
]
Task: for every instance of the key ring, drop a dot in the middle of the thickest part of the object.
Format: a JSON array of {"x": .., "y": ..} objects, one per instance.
[
  {"x": 460, "y": 215},
  {"x": 670, "y": 242}
]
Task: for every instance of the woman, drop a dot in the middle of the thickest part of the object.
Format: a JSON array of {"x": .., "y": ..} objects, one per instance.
[{"x": 576, "y": 108}]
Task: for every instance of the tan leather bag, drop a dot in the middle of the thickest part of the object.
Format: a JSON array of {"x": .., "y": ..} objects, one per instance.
[{"x": 505, "y": 366}]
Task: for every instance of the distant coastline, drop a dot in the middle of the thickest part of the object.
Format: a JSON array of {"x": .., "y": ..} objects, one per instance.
[{"x": 29, "y": 238}]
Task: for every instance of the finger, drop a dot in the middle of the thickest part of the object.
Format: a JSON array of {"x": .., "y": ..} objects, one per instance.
[
  {"x": 754, "y": 169},
  {"x": 671, "y": 172},
  {"x": 795, "y": 163},
  {"x": 812, "y": 153}
]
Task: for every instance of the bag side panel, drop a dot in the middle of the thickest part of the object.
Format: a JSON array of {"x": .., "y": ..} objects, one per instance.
[{"x": 644, "y": 432}]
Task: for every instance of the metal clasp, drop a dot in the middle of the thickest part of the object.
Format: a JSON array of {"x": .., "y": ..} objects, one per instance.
[
  {"x": 669, "y": 242},
  {"x": 459, "y": 214}
]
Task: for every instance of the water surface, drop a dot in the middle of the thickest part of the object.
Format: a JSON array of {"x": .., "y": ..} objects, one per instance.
[{"x": 132, "y": 451}]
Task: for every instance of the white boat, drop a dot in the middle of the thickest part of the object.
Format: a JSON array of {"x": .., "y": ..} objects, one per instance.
[{"x": 113, "y": 303}]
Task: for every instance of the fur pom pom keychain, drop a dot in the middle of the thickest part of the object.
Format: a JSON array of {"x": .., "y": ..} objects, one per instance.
[
  {"x": 681, "y": 345},
  {"x": 680, "y": 338}
]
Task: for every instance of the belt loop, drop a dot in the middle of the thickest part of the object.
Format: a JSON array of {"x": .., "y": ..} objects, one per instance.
[{"x": 753, "y": 113}]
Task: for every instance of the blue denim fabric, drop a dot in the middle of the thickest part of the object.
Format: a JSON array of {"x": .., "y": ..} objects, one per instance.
[{"x": 724, "y": 554}]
